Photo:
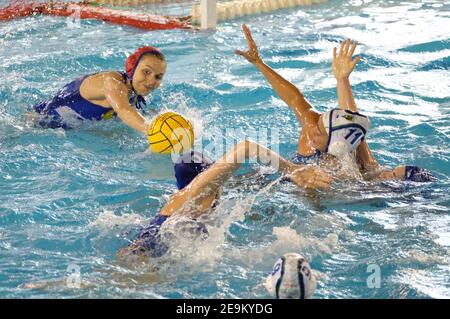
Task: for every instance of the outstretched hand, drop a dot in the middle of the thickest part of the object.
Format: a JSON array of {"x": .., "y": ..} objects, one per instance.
[
  {"x": 343, "y": 64},
  {"x": 311, "y": 177},
  {"x": 252, "y": 54}
]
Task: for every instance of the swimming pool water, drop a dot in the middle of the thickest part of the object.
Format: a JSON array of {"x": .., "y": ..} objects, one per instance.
[{"x": 71, "y": 199}]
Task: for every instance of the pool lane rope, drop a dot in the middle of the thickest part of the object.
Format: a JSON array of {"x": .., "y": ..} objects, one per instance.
[
  {"x": 226, "y": 10},
  {"x": 93, "y": 9},
  {"x": 84, "y": 10},
  {"x": 235, "y": 9}
]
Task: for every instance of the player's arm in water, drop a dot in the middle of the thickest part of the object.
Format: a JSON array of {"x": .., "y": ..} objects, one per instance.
[
  {"x": 290, "y": 94},
  {"x": 117, "y": 95},
  {"x": 204, "y": 189}
]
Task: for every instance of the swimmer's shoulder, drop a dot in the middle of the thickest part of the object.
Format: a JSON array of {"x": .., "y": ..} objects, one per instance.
[
  {"x": 93, "y": 87},
  {"x": 98, "y": 79}
]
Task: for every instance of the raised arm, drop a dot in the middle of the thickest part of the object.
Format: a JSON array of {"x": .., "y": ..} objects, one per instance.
[
  {"x": 343, "y": 66},
  {"x": 288, "y": 92},
  {"x": 116, "y": 93},
  {"x": 203, "y": 189}
]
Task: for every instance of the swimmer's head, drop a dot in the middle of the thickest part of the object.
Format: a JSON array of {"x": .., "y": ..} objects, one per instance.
[
  {"x": 188, "y": 166},
  {"x": 417, "y": 174},
  {"x": 291, "y": 278},
  {"x": 408, "y": 173},
  {"x": 145, "y": 69},
  {"x": 344, "y": 130}
]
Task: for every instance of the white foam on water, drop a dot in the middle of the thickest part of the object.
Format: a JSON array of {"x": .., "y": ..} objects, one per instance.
[
  {"x": 424, "y": 258},
  {"x": 287, "y": 241},
  {"x": 177, "y": 102},
  {"x": 110, "y": 220},
  {"x": 435, "y": 285},
  {"x": 188, "y": 253},
  {"x": 192, "y": 253},
  {"x": 349, "y": 167}
]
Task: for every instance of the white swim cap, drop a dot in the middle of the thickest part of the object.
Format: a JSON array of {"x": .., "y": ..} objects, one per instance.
[
  {"x": 345, "y": 130},
  {"x": 291, "y": 278}
]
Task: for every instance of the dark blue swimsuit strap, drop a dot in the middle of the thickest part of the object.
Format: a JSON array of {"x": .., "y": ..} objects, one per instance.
[
  {"x": 308, "y": 159},
  {"x": 140, "y": 101},
  {"x": 153, "y": 227}
]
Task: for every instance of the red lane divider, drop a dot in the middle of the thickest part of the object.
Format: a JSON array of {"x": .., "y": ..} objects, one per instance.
[{"x": 85, "y": 11}]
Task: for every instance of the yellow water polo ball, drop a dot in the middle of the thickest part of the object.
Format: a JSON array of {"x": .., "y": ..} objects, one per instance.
[{"x": 170, "y": 132}]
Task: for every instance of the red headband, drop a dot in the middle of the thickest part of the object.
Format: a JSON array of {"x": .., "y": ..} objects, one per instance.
[{"x": 133, "y": 60}]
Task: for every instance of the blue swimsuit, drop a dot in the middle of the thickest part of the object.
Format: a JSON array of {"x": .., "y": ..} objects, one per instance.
[
  {"x": 149, "y": 239},
  {"x": 68, "y": 107}
]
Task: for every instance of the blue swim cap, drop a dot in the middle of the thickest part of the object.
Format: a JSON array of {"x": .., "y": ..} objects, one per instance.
[
  {"x": 188, "y": 166},
  {"x": 417, "y": 174}
]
